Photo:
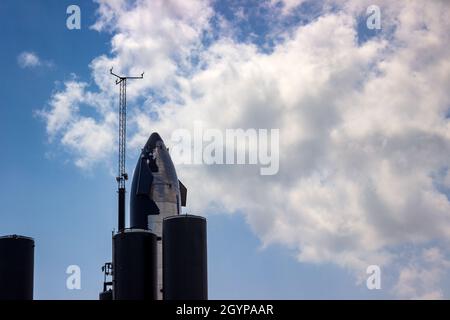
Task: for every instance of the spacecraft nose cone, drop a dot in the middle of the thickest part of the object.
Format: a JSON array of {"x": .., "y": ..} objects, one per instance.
[{"x": 152, "y": 141}]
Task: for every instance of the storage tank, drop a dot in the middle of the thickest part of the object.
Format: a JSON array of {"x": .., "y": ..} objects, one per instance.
[
  {"x": 185, "y": 275},
  {"x": 16, "y": 267},
  {"x": 134, "y": 265},
  {"x": 106, "y": 295}
]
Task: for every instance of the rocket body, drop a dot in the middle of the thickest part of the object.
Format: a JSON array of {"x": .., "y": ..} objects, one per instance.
[{"x": 156, "y": 193}]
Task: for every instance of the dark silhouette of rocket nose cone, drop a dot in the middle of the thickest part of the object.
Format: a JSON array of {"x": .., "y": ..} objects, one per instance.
[{"x": 151, "y": 142}]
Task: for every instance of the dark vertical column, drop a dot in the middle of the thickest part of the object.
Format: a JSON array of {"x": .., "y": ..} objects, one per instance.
[
  {"x": 185, "y": 274},
  {"x": 16, "y": 268},
  {"x": 121, "y": 222}
]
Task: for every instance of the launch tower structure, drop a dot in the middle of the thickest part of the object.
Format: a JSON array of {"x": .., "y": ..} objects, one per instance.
[{"x": 122, "y": 176}]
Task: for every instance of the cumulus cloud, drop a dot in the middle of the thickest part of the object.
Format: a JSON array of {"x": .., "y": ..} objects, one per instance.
[
  {"x": 89, "y": 140},
  {"x": 364, "y": 131},
  {"x": 287, "y": 5},
  {"x": 423, "y": 276},
  {"x": 28, "y": 59}
]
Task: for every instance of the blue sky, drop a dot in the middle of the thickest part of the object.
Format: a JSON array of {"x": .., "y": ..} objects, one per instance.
[{"x": 70, "y": 209}]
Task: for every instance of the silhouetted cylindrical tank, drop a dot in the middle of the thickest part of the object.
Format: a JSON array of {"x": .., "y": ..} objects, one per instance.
[
  {"x": 134, "y": 265},
  {"x": 185, "y": 275},
  {"x": 16, "y": 268},
  {"x": 106, "y": 295}
]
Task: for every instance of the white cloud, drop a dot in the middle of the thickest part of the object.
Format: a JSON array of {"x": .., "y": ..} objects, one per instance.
[
  {"x": 90, "y": 141},
  {"x": 64, "y": 105},
  {"x": 363, "y": 127},
  {"x": 422, "y": 278},
  {"x": 287, "y": 5},
  {"x": 28, "y": 59}
]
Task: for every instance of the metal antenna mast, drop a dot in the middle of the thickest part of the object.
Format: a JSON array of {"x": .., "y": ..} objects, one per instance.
[{"x": 122, "y": 175}]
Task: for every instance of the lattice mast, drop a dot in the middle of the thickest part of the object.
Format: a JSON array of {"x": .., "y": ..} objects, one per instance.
[{"x": 122, "y": 176}]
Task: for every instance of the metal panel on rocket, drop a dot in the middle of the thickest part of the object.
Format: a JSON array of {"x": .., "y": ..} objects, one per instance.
[
  {"x": 185, "y": 275},
  {"x": 134, "y": 265},
  {"x": 16, "y": 268}
]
